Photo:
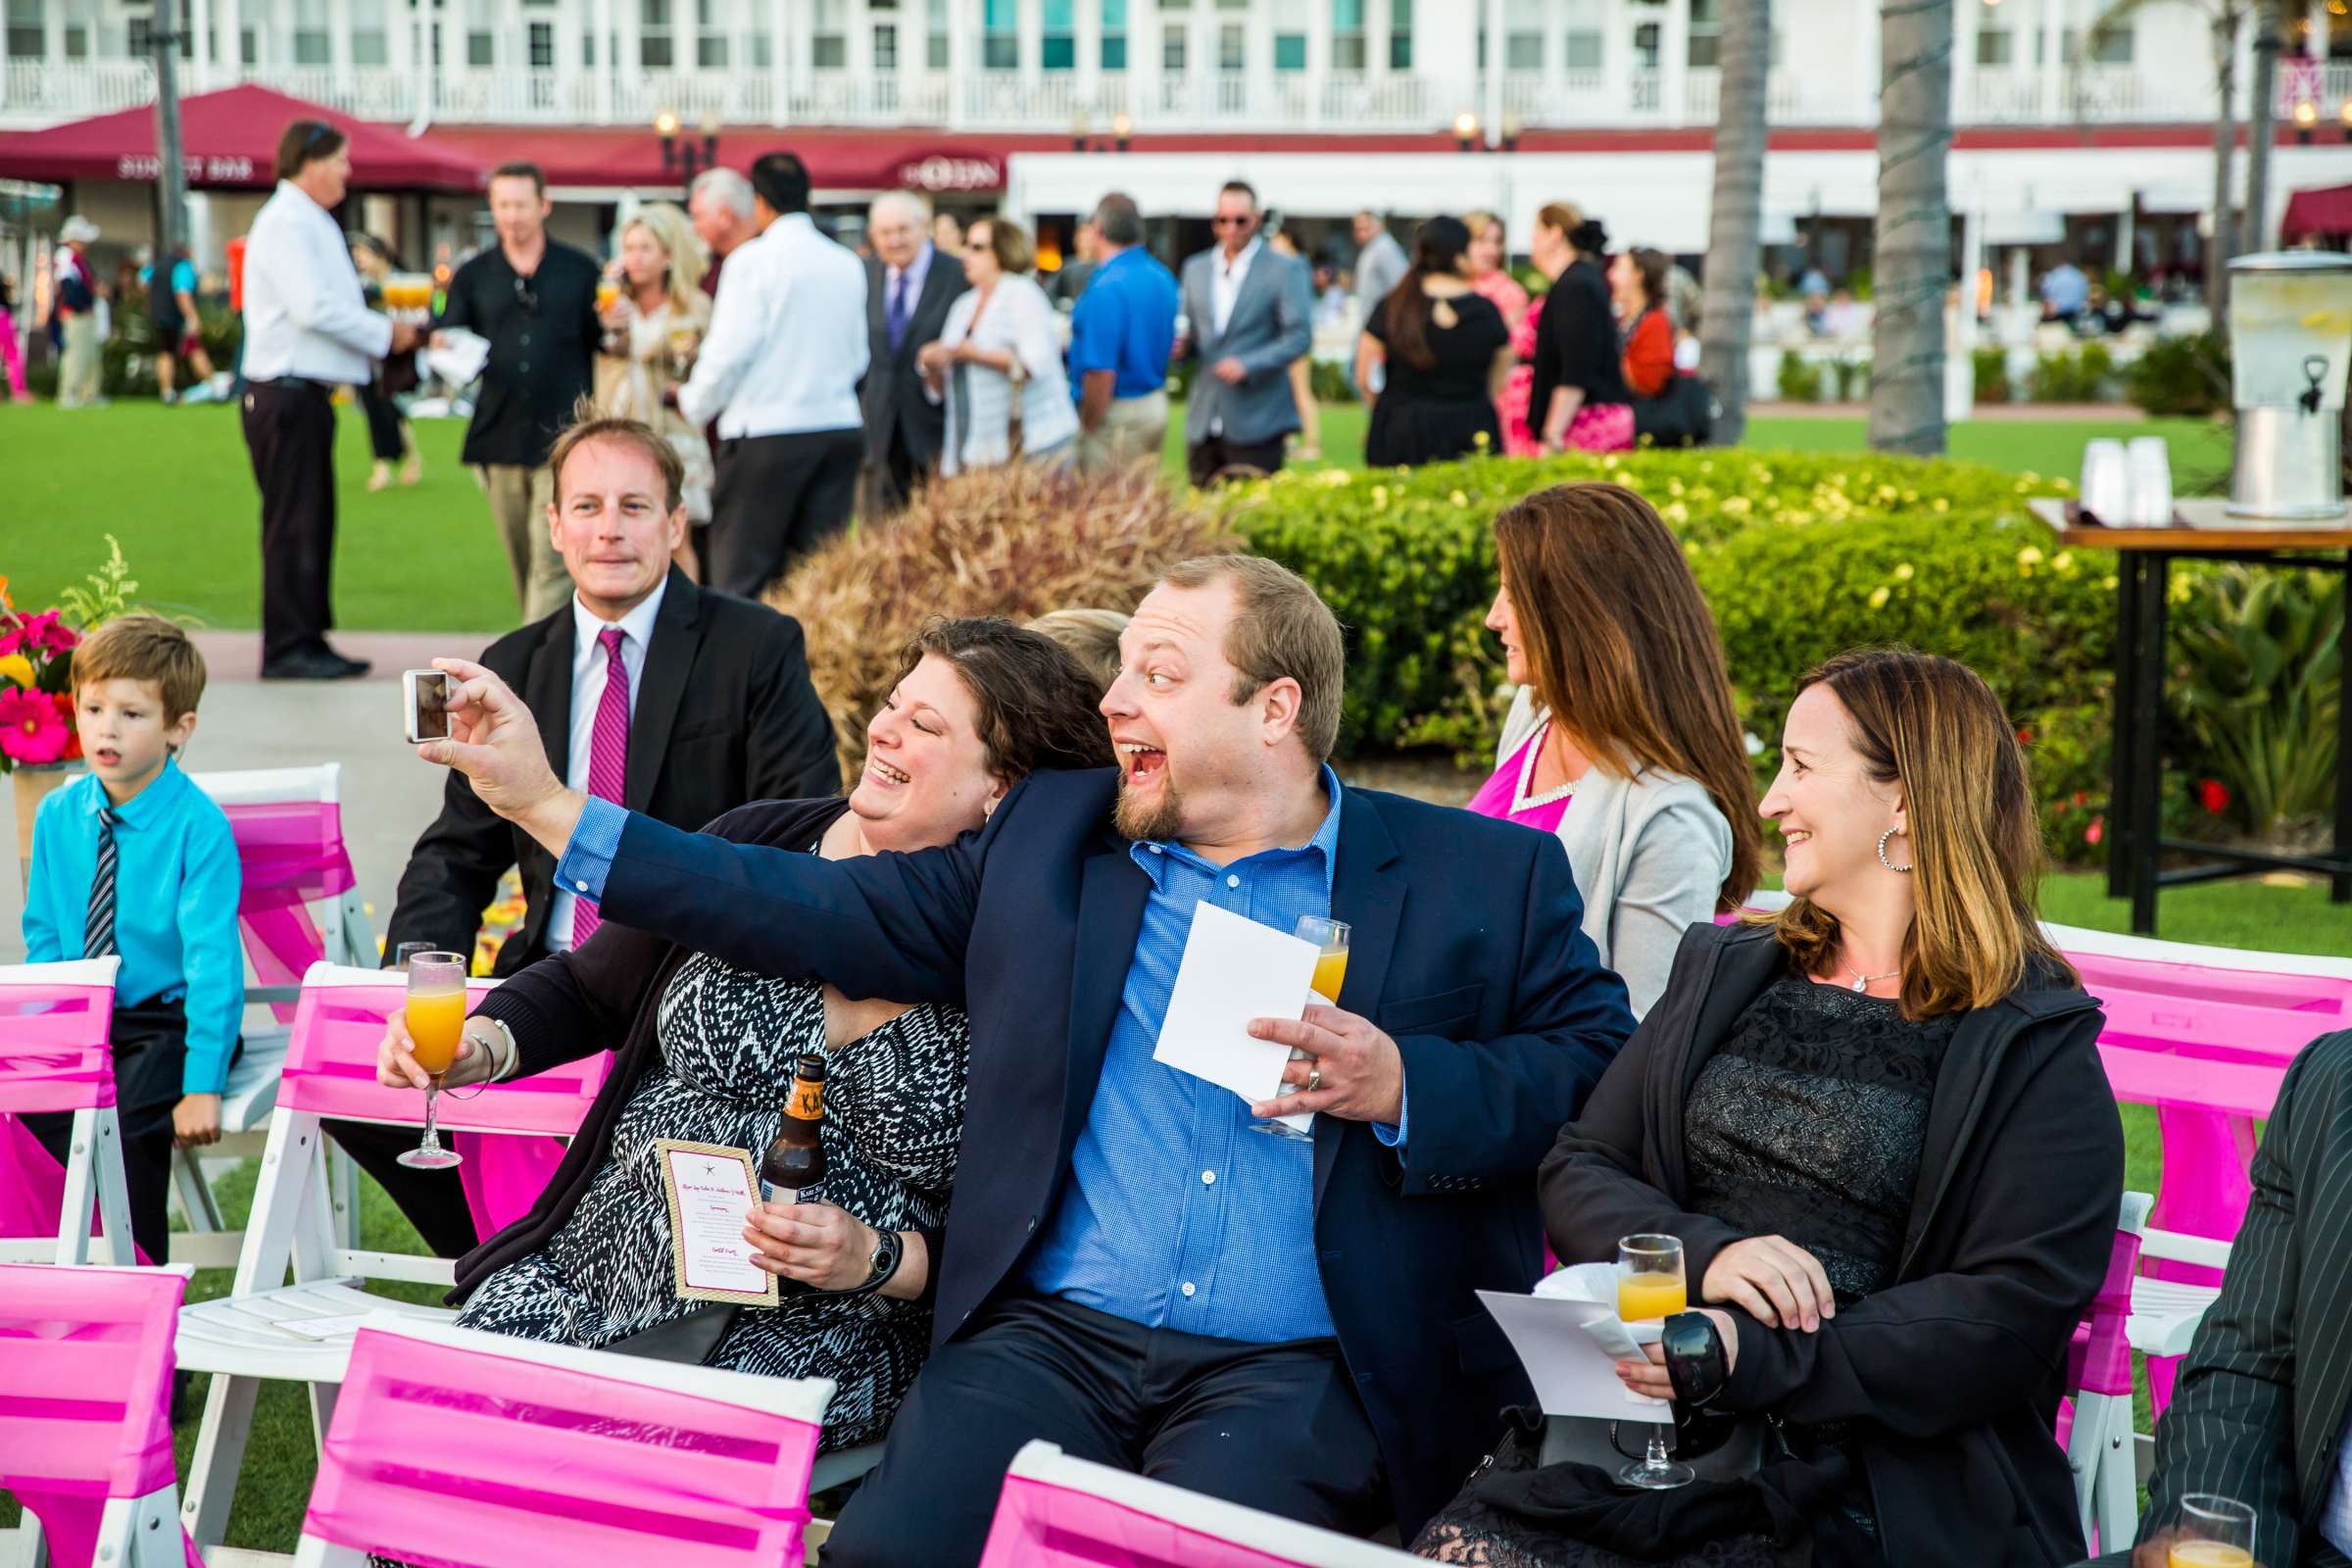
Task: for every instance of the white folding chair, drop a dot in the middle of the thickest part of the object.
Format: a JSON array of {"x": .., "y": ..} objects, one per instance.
[
  {"x": 300, "y": 1330},
  {"x": 332, "y": 928},
  {"x": 55, "y": 1025}
]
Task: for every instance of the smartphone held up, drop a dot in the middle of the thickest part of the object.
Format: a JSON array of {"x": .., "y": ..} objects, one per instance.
[{"x": 424, "y": 702}]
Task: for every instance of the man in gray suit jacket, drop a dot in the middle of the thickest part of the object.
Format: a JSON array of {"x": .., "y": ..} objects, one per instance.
[
  {"x": 1251, "y": 311},
  {"x": 2264, "y": 1405},
  {"x": 909, "y": 286}
]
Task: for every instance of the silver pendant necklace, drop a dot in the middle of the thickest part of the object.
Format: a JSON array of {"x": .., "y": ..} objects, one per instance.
[{"x": 1862, "y": 982}]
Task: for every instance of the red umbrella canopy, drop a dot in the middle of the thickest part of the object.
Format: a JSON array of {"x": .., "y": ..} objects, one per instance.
[
  {"x": 2326, "y": 212},
  {"x": 229, "y": 142}
]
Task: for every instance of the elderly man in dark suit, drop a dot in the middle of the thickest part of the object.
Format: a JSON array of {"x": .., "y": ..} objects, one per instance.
[
  {"x": 651, "y": 692},
  {"x": 908, "y": 287},
  {"x": 2263, "y": 1409},
  {"x": 1134, "y": 1272},
  {"x": 1251, "y": 311}
]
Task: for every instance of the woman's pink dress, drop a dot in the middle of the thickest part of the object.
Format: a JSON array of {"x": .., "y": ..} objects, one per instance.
[
  {"x": 1505, "y": 794},
  {"x": 1510, "y": 405}
]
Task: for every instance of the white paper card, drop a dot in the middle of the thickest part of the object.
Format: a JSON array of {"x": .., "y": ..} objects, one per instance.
[
  {"x": 1233, "y": 970},
  {"x": 711, "y": 1196},
  {"x": 341, "y": 1327},
  {"x": 1571, "y": 1343},
  {"x": 459, "y": 356}
]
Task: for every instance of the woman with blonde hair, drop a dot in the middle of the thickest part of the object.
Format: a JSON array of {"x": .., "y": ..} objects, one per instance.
[
  {"x": 1623, "y": 739},
  {"x": 652, "y": 329},
  {"x": 998, "y": 361},
  {"x": 1576, "y": 393},
  {"x": 1877, "y": 1124},
  {"x": 1488, "y": 266}
]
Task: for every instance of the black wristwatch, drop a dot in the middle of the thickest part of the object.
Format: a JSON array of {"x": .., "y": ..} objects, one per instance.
[{"x": 889, "y": 1251}]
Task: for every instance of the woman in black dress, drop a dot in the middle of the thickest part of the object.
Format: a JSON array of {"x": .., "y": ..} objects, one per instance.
[
  {"x": 1448, "y": 352},
  {"x": 1878, "y": 1124},
  {"x": 1577, "y": 399}
]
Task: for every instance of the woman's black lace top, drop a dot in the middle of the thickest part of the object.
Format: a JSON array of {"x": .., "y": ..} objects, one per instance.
[{"x": 1807, "y": 1122}]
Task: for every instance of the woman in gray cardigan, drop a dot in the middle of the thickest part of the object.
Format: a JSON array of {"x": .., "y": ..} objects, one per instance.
[{"x": 1623, "y": 739}]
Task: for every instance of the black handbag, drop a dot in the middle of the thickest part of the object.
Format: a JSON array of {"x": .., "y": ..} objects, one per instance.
[{"x": 1681, "y": 416}]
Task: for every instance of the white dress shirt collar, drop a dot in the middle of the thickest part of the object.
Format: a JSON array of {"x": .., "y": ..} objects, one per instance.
[
  {"x": 1225, "y": 283},
  {"x": 917, "y": 272},
  {"x": 636, "y": 632},
  {"x": 588, "y": 667}
]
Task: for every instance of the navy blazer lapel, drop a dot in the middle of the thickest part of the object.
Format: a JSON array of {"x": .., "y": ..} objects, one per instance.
[
  {"x": 547, "y": 690},
  {"x": 1368, "y": 891},
  {"x": 668, "y": 659},
  {"x": 1110, "y": 917}
]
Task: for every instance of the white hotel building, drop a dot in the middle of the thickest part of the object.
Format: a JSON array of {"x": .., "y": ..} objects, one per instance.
[{"x": 2099, "y": 139}]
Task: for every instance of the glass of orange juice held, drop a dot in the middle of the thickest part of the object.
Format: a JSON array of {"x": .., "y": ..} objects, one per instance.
[
  {"x": 1330, "y": 938},
  {"x": 2213, "y": 1532},
  {"x": 1650, "y": 1288},
  {"x": 435, "y": 1014},
  {"x": 608, "y": 294}
]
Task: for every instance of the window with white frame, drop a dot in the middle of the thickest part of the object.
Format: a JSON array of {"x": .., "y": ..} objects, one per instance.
[
  {"x": 1058, "y": 39},
  {"x": 1995, "y": 46},
  {"x": 1522, "y": 24},
  {"x": 1704, "y": 50},
  {"x": 311, "y": 46},
  {"x": 1000, "y": 36},
  {"x": 1290, "y": 22},
  {"x": 1400, "y": 34},
  {"x": 27, "y": 32},
  {"x": 1174, "y": 47},
  {"x": 828, "y": 35},
  {"x": 1233, "y": 47},
  {"x": 937, "y": 49},
  {"x": 540, "y": 41},
  {"x": 481, "y": 34},
  {"x": 1348, "y": 50},
  {"x": 371, "y": 34},
  {"x": 1115, "y": 34},
  {"x": 886, "y": 46},
  {"x": 1581, "y": 43},
  {"x": 656, "y": 34},
  {"x": 711, "y": 44}
]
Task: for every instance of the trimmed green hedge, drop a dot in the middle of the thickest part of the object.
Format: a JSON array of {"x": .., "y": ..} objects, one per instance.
[{"x": 1799, "y": 555}]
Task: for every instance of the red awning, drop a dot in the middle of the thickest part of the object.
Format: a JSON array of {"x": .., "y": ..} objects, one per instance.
[
  {"x": 229, "y": 142},
  {"x": 2324, "y": 210},
  {"x": 629, "y": 158}
]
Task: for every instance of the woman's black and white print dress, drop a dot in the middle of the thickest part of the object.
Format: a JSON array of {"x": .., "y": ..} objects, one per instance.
[{"x": 893, "y": 1116}]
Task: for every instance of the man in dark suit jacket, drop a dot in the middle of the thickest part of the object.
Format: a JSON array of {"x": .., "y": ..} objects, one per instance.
[
  {"x": 721, "y": 712},
  {"x": 1131, "y": 1270},
  {"x": 909, "y": 286},
  {"x": 2263, "y": 1403}
]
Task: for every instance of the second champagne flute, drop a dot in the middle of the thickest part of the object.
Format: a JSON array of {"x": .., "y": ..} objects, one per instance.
[
  {"x": 1650, "y": 1286},
  {"x": 2214, "y": 1531},
  {"x": 435, "y": 1014}
]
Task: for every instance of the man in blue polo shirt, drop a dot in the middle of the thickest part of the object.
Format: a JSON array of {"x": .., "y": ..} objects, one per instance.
[{"x": 1121, "y": 334}]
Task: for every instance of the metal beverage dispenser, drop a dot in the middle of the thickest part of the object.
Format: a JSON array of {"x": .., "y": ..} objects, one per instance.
[{"x": 2291, "y": 341}]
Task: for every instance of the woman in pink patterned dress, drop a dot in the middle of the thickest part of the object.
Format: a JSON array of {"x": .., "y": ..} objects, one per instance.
[{"x": 1487, "y": 267}]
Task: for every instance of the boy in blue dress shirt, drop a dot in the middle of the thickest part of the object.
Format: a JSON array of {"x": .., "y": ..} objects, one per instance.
[{"x": 135, "y": 860}]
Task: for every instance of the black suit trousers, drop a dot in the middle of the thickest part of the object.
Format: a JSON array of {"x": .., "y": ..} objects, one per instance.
[
  {"x": 778, "y": 497},
  {"x": 290, "y": 434},
  {"x": 1276, "y": 1427}
]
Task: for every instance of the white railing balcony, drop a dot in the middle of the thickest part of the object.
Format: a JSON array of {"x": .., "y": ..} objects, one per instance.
[
  {"x": 1789, "y": 99},
  {"x": 41, "y": 92},
  {"x": 1352, "y": 100},
  {"x": 1232, "y": 95},
  {"x": 1174, "y": 101}
]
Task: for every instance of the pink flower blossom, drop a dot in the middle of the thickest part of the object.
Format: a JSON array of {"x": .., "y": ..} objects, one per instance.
[
  {"x": 2095, "y": 832},
  {"x": 11, "y": 640},
  {"x": 31, "y": 730},
  {"x": 46, "y": 631}
]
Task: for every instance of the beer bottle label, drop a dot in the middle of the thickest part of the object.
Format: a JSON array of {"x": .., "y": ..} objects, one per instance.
[
  {"x": 770, "y": 1192},
  {"x": 807, "y": 1102}
]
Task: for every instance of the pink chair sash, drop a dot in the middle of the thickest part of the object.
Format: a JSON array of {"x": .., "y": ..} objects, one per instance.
[
  {"x": 290, "y": 854},
  {"x": 86, "y": 1394},
  {"x": 502, "y": 1177},
  {"x": 440, "y": 1455},
  {"x": 1039, "y": 1525},
  {"x": 54, "y": 1056}
]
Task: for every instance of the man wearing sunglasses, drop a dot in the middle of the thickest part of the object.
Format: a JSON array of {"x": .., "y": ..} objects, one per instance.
[
  {"x": 307, "y": 330},
  {"x": 535, "y": 300},
  {"x": 1251, "y": 311}
]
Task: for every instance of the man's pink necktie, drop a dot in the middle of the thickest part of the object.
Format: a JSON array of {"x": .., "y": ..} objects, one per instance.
[{"x": 608, "y": 758}]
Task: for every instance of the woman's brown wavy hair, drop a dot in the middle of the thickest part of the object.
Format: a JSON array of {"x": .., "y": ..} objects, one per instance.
[
  {"x": 1972, "y": 834},
  {"x": 1620, "y": 648}
]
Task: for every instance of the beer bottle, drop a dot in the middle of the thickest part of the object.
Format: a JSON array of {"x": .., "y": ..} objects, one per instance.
[{"x": 795, "y": 1164}]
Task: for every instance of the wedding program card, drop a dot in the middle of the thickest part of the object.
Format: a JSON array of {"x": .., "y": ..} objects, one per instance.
[
  {"x": 710, "y": 1190},
  {"x": 1233, "y": 970}
]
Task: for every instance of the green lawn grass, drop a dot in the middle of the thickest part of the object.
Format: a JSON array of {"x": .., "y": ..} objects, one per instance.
[{"x": 176, "y": 487}]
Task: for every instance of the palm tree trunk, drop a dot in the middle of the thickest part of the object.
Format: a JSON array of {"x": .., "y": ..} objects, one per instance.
[
  {"x": 1735, "y": 228},
  {"x": 2260, "y": 121},
  {"x": 2220, "y": 244},
  {"x": 1913, "y": 249}
]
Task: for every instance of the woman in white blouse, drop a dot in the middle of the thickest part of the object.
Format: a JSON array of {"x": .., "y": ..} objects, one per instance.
[
  {"x": 998, "y": 361},
  {"x": 652, "y": 329}
]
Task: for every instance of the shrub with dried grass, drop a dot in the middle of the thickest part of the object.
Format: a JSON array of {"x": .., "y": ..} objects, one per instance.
[{"x": 1012, "y": 542}]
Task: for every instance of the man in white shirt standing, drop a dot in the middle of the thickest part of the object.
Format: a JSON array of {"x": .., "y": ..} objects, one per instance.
[
  {"x": 308, "y": 329},
  {"x": 778, "y": 376}
]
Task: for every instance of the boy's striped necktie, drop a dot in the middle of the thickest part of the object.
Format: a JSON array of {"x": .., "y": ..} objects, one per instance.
[{"x": 98, "y": 931}]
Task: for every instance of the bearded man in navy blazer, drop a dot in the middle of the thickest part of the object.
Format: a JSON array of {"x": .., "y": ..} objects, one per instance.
[{"x": 1131, "y": 1271}]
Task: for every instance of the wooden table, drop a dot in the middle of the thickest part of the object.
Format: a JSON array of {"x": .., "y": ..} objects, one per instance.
[{"x": 2135, "y": 843}]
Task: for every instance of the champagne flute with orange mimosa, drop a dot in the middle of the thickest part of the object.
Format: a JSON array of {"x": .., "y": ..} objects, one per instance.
[
  {"x": 1650, "y": 1286},
  {"x": 435, "y": 1016},
  {"x": 1330, "y": 938},
  {"x": 2214, "y": 1531}
]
